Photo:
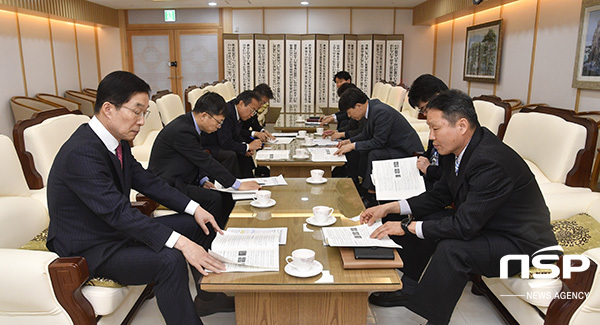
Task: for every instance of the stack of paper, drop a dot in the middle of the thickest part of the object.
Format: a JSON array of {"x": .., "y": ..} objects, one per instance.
[
  {"x": 326, "y": 142},
  {"x": 285, "y": 134},
  {"x": 247, "y": 251},
  {"x": 325, "y": 154},
  {"x": 273, "y": 154},
  {"x": 396, "y": 179},
  {"x": 356, "y": 236},
  {"x": 282, "y": 140}
]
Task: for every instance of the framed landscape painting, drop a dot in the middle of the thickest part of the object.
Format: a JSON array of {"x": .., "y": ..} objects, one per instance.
[
  {"x": 586, "y": 74},
  {"x": 482, "y": 52}
]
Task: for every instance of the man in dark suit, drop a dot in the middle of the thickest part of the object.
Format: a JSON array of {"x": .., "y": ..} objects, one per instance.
[
  {"x": 342, "y": 119},
  {"x": 232, "y": 145},
  {"x": 179, "y": 158},
  {"x": 424, "y": 88},
  {"x": 91, "y": 216},
  {"x": 386, "y": 134},
  {"x": 498, "y": 209},
  {"x": 265, "y": 94}
]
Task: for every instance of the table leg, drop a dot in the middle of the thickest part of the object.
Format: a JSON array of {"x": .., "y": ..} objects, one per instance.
[{"x": 301, "y": 308}]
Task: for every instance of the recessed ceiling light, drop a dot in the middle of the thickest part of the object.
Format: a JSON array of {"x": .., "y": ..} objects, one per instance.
[
  {"x": 212, "y": 3},
  {"x": 304, "y": 3}
]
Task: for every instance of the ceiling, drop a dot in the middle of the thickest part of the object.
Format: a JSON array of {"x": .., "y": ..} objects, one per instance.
[{"x": 170, "y": 4}]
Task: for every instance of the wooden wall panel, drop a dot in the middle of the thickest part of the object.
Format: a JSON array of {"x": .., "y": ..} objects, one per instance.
[
  {"x": 65, "y": 56},
  {"x": 37, "y": 55},
  {"x": 88, "y": 64},
  {"x": 11, "y": 79},
  {"x": 72, "y": 9}
]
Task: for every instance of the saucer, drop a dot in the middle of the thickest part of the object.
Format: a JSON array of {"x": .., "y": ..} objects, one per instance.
[
  {"x": 309, "y": 145},
  {"x": 315, "y": 269},
  {"x": 260, "y": 205},
  {"x": 311, "y": 181},
  {"x": 300, "y": 157},
  {"x": 311, "y": 221}
]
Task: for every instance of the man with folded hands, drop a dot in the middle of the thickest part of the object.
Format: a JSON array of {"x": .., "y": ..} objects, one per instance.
[
  {"x": 497, "y": 209},
  {"x": 179, "y": 158},
  {"x": 91, "y": 216}
]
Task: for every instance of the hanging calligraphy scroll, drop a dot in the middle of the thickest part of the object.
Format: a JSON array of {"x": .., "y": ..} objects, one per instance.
[
  {"x": 378, "y": 58},
  {"x": 292, "y": 73},
  {"x": 261, "y": 59},
  {"x": 307, "y": 88},
  {"x": 230, "y": 59},
  {"x": 336, "y": 64},
  {"x": 246, "y": 62},
  {"x": 393, "y": 61},
  {"x": 364, "y": 57},
  {"x": 276, "y": 69},
  {"x": 350, "y": 55},
  {"x": 321, "y": 76}
]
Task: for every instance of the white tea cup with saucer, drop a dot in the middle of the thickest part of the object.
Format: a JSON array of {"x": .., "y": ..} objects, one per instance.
[
  {"x": 302, "y": 134},
  {"x": 301, "y": 154},
  {"x": 263, "y": 197},
  {"x": 322, "y": 214},
  {"x": 302, "y": 259},
  {"x": 316, "y": 176},
  {"x": 320, "y": 131}
]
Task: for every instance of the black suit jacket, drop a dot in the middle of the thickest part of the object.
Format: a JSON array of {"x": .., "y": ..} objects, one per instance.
[
  {"x": 88, "y": 200},
  {"x": 494, "y": 192},
  {"x": 179, "y": 158},
  {"x": 387, "y": 128},
  {"x": 352, "y": 128},
  {"x": 231, "y": 135}
]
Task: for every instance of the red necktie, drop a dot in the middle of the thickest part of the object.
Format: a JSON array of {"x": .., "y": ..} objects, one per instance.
[{"x": 119, "y": 151}]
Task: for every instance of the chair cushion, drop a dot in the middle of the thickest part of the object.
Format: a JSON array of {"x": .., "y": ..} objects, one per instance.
[
  {"x": 170, "y": 107},
  {"x": 142, "y": 152},
  {"x": 548, "y": 141},
  {"x": 21, "y": 218},
  {"x": 13, "y": 181},
  {"x": 45, "y": 139},
  {"x": 152, "y": 123}
]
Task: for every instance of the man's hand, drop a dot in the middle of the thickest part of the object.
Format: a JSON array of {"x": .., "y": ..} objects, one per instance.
[
  {"x": 254, "y": 145},
  {"x": 269, "y": 135},
  {"x": 198, "y": 257},
  {"x": 203, "y": 217},
  {"x": 208, "y": 185},
  {"x": 338, "y": 135},
  {"x": 388, "y": 228},
  {"x": 344, "y": 149},
  {"x": 327, "y": 133},
  {"x": 370, "y": 215},
  {"x": 326, "y": 119},
  {"x": 343, "y": 142},
  {"x": 249, "y": 186},
  {"x": 250, "y": 153},
  {"x": 422, "y": 164}
]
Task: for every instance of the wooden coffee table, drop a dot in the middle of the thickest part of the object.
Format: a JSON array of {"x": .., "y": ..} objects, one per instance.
[{"x": 334, "y": 296}]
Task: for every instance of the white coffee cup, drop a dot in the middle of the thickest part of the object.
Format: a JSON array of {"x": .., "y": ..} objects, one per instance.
[
  {"x": 308, "y": 141},
  {"x": 322, "y": 213},
  {"x": 263, "y": 196},
  {"x": 320, "y": 130},
  {"x": 316, "y": 174},
  {"x": 302, "y": 259},
  {"x": 301, "y": 152},
  {"x": 302, "y": 133}
]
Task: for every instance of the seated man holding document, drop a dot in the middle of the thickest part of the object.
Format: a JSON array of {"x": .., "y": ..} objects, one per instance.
[
  {"x": 498, "y": 209},
  {"x": 91, "y": 215},
  {"x": 179, "y": 158}
]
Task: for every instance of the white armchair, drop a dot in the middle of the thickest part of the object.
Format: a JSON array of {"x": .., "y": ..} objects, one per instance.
[
  {"x": 169, "y": 106},
  {"x": 62, "y": 101},
  {"x": 396, "y": 97},
  {"x": 25, "y": 107},
  {"x": 87, "y": 101},
  {"x": 142, "y": 143},
  {"x": 230, "y": 91},
  {"x": 492, "y": 113}
]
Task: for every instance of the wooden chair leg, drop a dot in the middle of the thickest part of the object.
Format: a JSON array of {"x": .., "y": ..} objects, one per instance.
[{"x": 148, "y": 293}]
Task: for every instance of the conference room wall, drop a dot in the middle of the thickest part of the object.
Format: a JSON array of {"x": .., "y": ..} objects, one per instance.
[
  {"x": 537, "y": 61},
  {"x": 419, "y": 40},
  {"x": 51, "y": 56}
]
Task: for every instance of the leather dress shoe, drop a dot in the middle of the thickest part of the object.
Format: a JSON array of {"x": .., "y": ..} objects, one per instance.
[
  {"x": 389, "y": 299},
  {"x": 221, "y": 303}
]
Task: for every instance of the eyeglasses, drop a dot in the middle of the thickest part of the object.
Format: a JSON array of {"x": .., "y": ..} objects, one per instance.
[
  {"x": 254, "y": 111},
  {"x": 422, "y": 108},
  {"x": 138, "y": 113},
  {"x": 220, "y": 122}
]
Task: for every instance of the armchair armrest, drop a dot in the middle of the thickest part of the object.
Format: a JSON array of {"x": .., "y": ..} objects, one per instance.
[{"x": 68, "y": 274}]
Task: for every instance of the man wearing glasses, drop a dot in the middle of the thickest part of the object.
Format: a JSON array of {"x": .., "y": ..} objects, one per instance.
[
  {"x": 178, "y": 156},
  {"x": 232, "y": 145}
]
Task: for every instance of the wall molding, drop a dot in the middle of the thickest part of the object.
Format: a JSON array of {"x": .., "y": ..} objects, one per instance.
[{"x": 77, "y": 10}]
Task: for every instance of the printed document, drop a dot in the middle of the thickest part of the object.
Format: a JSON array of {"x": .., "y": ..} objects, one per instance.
[
  {"x": 247, "y": 252},
  {"x": 221, "y": 188},
  {"x": 282, "y": 140},
  {"x": 397, "y": 179},
  {"x": 325, "y": 154},
  {"x": 326, "y": 143},
  {"x": 282, "y": 231},
  {"x": 285, "y": 134},
  {"x": 356, "y": 236},
  {"x": 267, "y": 154}
]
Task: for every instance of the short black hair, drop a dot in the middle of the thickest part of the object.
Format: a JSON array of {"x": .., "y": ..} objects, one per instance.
[
  {"x": 455, "y": 105},
  {"x": 351, "y": 97},
  {"x": 263, "y": 90},
  {"x": 342, "y": 75},
  {"x": 118, "y": 87},
  {"x": 345, "y": 86},
  {"x": 246, "y": 97},
  {"x": 211, "y": 103},
  {"x": 424, "y": 88}
]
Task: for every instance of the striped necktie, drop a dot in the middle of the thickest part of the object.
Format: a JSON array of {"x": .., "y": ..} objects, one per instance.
[{"x": 456, "y": 164}]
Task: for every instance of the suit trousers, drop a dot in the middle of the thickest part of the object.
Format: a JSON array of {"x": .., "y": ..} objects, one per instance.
[
  {"x": 239, "y": 165},
  {"x": 449, "y": 270},
  {"x": 365, "y": 165},
  {"x": 138, "y": 264}
]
